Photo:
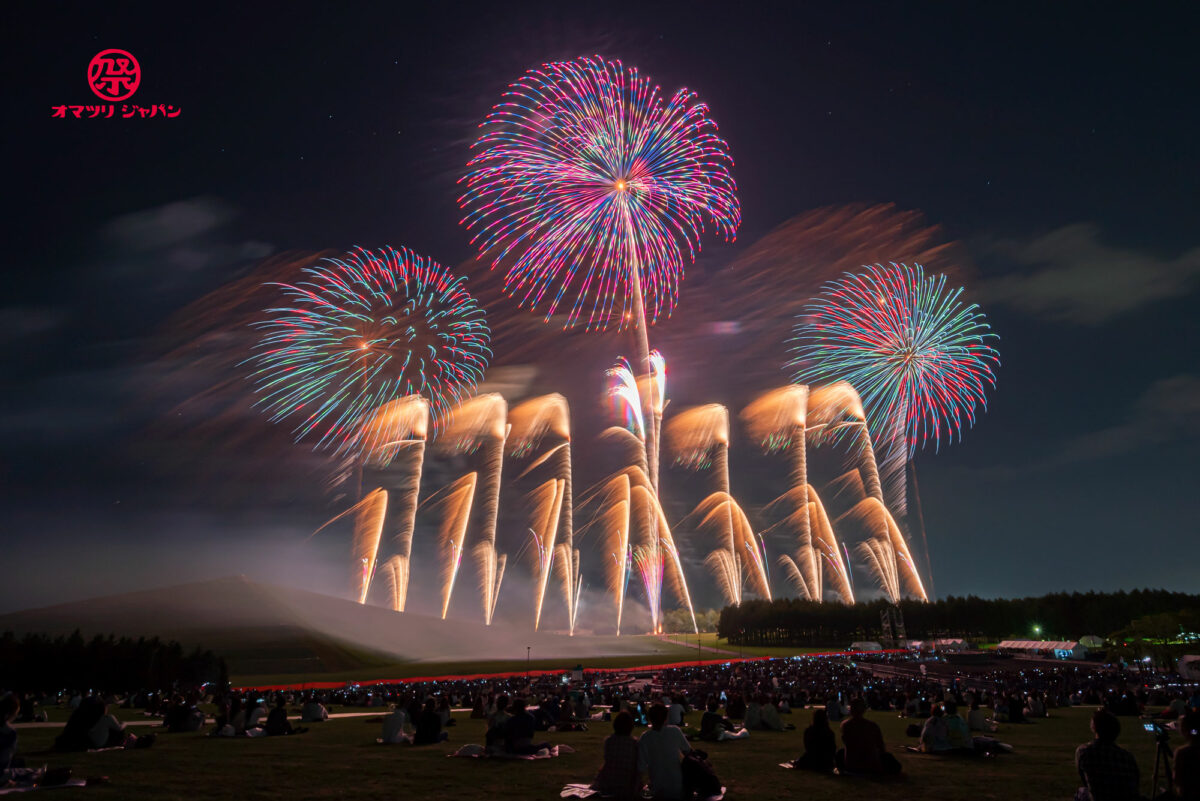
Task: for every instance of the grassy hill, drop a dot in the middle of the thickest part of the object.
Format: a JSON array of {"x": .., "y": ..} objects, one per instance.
[{"x": 270, "y": 632}]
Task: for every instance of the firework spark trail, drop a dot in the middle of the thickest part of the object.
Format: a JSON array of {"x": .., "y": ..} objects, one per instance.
[
  {"x": 400, "y": 426},
  {"x": 654, "y": 399},
  {"x": 699, "y": 438},
  {"x": 480, "y": 423},
  {"x": 626, "y": 398},
  {"x": 721, "y": 511},
  {"x": 901, "y": 570},
  {"x": 531, "y": 422},
  {"x": 363, "y": 330},
  {"x": 881, "y": 561},
  {"x": 491, "y": 574},
  {"x": 613, "y": 521},
  {"x": 728, "y": 572},
  {"x": 547, "y": 503},
  {"x": 567, "y": 561},
  {"x": 918, "y": 355},
  {"x": 457, "y": 499},
  {"x": 673, "y": 566},
  {"x": 836, "y": 413},
  {"x": 369, "y": 514},
  {"x": 584, "y": 171},
  {"x": 778, "y": 419},
  {"x": 392, "y": 569},
  {"x": 819, "y": 554},
  {"x": 647, "y": 555}
]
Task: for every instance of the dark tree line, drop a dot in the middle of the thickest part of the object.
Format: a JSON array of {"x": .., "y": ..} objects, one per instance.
[
  {"x": 38, "y": 662},
  {"x": 1058, "y": 616}
]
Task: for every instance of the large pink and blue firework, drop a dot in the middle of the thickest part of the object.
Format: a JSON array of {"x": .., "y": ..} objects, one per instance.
[
  {"x": 585, "y": 175},
  {"x": 917, "y": 354},
  {"x": 362, "y": 330}
]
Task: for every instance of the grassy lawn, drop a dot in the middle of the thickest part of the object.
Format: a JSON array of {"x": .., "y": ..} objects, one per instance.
[{"x": 340, "y": 760}]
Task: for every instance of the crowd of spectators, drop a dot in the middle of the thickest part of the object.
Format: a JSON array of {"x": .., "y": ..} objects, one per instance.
[{"x": 953, "y": 713}]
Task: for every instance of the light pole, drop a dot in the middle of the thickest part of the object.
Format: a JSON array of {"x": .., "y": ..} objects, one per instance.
[{"x": 527, "y": 649}]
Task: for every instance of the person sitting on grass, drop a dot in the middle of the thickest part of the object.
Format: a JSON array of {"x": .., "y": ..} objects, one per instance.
[
  {"x": 863, "y": 749},
  {"x": 820, "y": 747},
  {"x": 958, "y": 734},
  {"x": 496, "y": 721},
  {"x": 1187, "y": 758},
  {"x": 9, "y": 707},
  {"x": 256, "y": 713},
  {"x": 1108, "y": 771},
  {"x": 444, "y": 711},
  {"x": 395, "y": 727},
  {"x": 313, "y": 710},
  {"x": 183, "y": 716},
  {"x": 768, "y": 718},
  {"x": 715, "y": 728},
  {"x": 977, "y": 721},
  {"x": 429, "y": 726},
  {"x": 277, "y": 721},
  {"x": 519, "y": 729},
  {"x": 619, "y": 776},
  {"x": 91, "y": 726},
  {"x": 935, "y": 737},
  {"x": 660, "y": 752},
  {"x": 752, "y": 719}
]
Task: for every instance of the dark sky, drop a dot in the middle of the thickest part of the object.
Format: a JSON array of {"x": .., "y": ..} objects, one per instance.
[{"x": 1056, "y": 144}]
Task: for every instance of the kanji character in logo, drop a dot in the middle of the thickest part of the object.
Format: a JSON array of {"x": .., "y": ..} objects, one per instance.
[{"x": 114, "y": 74}]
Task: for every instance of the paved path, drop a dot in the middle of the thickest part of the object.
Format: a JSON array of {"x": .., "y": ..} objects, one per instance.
[
  {"x": 141, "y": 720},
  {"x": 708, "y": 648}
]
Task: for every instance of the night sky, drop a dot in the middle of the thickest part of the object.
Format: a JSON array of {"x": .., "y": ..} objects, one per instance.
[{"x": 1055, "y": 146}]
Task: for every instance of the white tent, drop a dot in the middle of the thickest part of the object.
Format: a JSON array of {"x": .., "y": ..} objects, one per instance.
[
  {"x": 865, "y": 645},
  {"x": 1060, "y": 649}
]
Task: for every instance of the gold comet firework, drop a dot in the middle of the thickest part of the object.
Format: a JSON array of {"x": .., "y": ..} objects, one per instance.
[
  {"x": 699, "y": 437},
  {"x": 480, "y": 423},
  {"x": 399, "y": 428},
  {"x": 369, "y": 514},
  {"x": 778, "y": 419},
  {"x": 742, "y": 546},
  {"x": 531, "y": 423},
  {"x": 391, "y": 570},
  {"x": 613, "y": 521},
  {"x": 887, "y": 542},
  {"x": 491, "y": 573},
  {"x": 457, "y": 500},
  {"x": 547, "y": 508},
  {"x": 818, "y": 556}
]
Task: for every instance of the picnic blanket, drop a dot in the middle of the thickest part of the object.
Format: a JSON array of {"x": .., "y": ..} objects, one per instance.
[
  {"x": 586, "y": 791},
  {"x": 30, "y": 789},
  {"x": 473, "y": 751}
]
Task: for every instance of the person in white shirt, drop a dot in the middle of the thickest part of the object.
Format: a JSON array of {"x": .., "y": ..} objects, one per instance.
[
  {"x": 674, "y": 711},
  {"x": 395, "y": 727},
  {"x": 660, "y": 752}
]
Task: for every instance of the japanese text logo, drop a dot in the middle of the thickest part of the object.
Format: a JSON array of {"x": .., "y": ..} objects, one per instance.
[{"x": 114, "y": 74}]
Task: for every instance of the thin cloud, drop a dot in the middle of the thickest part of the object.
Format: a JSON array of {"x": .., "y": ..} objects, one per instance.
[
  {"x": 1072, "y": 276},
  {"x": 1168, "y": 410}
]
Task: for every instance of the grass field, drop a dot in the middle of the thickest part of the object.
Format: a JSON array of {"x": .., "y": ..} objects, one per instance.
[
  {"x": 671, "y": 648},
  {"x": 340, "y": 760}
]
